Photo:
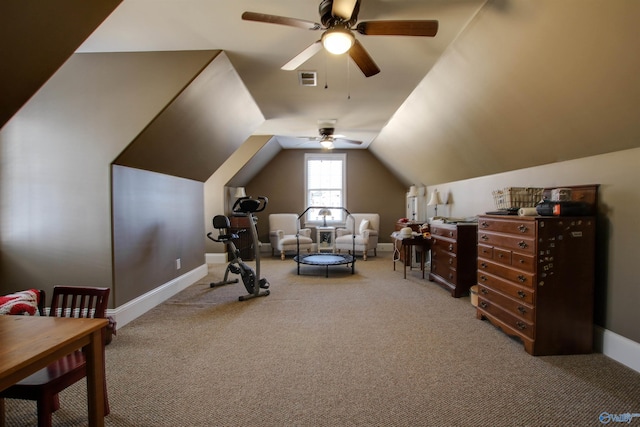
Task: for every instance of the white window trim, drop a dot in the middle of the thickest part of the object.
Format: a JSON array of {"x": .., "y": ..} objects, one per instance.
[{"x": 326, "y": 156}]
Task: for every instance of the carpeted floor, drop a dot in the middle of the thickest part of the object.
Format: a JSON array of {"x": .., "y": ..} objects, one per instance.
[{"x": 369, "y": 349}]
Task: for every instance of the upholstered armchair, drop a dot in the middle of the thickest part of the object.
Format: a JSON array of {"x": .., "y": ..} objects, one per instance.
[
  {"x": 282, "y": 234},
  {"x": 365, "y": 227}
]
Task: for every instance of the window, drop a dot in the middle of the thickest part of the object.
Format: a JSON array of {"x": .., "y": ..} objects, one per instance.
[{"x": 325, "y": 180}]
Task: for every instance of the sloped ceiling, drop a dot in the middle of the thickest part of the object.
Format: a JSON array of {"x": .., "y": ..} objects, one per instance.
[
  {"x": 37, "y": 37},
  {"x": 527, "y": 83},
  {"x": 200, "y": 128}
]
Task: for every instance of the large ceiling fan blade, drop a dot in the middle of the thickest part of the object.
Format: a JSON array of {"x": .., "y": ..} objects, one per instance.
[
  {"x": 362, "y": 59},
  {"x": 398, "y": 28},
  {"x": 281, "y": 20},
  {"x": 303, "y": 56},
  {"x": 343, "y": 8}
]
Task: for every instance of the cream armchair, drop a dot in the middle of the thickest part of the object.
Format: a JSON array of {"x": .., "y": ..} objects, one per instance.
[
  {"x": 366, "y": 226},
  {"x": 282, "y": 234}
]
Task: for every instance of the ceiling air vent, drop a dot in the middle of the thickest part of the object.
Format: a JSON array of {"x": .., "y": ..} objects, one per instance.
[{"x": 308, "y": 78}]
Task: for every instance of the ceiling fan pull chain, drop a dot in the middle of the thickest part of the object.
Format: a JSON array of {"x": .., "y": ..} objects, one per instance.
[
  {"x": 326, "y": 72},
  {"x": 348, "y": 79}
]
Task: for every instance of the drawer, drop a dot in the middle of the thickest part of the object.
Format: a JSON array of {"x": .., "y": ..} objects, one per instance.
[
  {"x": 511, "y": 226},
  {"x": 523, "y": 261},
  {"x": 517, "y": 276},
  {"x": 450, "y": 232},
  {"x": 444, "y": 245},
  {"x": 507, "y": 241},
  {"x": 445, "y": 271},
  {"x": 516, "y": 307},
  {"x": 485, "y": 251},
  {"x": 487, "y": 283},
  {"x": 519, "y": 325},
  {"x": 444, "y": 258},
  {"x": 502, "y": 256}
]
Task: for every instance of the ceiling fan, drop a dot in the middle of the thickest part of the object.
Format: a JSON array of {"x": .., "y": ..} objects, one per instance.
[
  {"x": 338, "y": 18},
  {"x": 327, "y": 138}
]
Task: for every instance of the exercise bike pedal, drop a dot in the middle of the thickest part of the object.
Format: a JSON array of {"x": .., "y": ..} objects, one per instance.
[
  {"x": 234, "y": 269},
  {"x": 264, "y": 284}
]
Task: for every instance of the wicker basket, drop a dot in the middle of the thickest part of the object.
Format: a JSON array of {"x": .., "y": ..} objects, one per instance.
[{"x": 517, "y": 197}]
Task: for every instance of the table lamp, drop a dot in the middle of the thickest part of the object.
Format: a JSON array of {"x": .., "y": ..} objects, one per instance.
[
  {"x": 324, "y": 213},
  {"x": 435, "y": 200}
]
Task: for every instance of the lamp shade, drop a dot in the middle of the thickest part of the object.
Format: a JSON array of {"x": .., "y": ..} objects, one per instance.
[
  {"x": 412, "y": 191},
  {"x": 435, "y": 199},
  {"x": 240, "y": 193}
]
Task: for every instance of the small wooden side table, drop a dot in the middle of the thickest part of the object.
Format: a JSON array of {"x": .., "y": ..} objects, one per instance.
[{"x": 325, "y": 238}]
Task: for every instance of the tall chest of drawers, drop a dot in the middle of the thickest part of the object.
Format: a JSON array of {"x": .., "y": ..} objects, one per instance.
[
  {"x": 536, "y": 280},
  {"x": 453, "y": 256}
]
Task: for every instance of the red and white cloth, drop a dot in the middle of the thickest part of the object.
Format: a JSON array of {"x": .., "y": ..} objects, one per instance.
[{"x": 22, "y": 302}]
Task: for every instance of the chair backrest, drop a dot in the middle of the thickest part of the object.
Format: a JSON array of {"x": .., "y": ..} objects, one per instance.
[
  {"x": 357, "y": 218},
  {"x": 287, "y": 222},
  {"x": 79, "y": 301}
]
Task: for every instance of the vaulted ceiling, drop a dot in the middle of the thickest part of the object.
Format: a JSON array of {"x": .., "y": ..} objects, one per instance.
[
  {"x": 362, "y": 106},
  {"x": 504, "y": 85}
]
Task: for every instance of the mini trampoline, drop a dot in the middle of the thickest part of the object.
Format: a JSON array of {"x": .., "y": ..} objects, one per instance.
[
  {"x": 326, "y": 259},
  {"x": 323, "y": 258}
]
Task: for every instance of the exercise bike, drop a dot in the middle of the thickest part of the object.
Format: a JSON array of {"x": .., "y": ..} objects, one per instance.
[{"x": 250, "y": 278}]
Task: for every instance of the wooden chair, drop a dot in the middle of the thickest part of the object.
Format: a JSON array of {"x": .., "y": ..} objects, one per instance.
[{"x": 44, "y": 385}]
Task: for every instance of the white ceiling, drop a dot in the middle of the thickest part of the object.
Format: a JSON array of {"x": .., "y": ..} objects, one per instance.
[{"x": 362, "y": 106}]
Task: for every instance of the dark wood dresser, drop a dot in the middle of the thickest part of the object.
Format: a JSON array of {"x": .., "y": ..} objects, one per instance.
[
  {"x": 536, "y": 280},
  {"x": 453, "y": 257},
  {"x": 240, "y": 225}
]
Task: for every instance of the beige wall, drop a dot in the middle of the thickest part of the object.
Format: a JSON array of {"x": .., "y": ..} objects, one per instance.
[
  {"x": 618, "y": 286},
  {"x": 370, "y": 188},
  {"x": 55, "y": 176}
]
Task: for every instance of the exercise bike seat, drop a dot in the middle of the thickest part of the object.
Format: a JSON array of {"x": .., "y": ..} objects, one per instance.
[{"x": 222, "y": 224}]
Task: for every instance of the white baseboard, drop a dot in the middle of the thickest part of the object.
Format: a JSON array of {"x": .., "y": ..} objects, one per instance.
[
  {"x": 617, "y": 347},
  {"x": 140, "y": 305},
  {"x": 217, "y": 258}
]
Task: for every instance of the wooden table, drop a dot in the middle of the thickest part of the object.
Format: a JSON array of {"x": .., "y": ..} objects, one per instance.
[
  {"x": 407, "y": 243},
  {"x": 30, "y": 343}
]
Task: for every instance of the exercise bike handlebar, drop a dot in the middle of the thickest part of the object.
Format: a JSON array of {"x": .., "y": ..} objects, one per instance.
[{"x": 249, "y": 205}]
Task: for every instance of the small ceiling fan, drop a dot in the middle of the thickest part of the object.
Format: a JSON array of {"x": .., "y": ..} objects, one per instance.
[
  {"x": 327, "y": 138},
  {"x": 338, "y": 18}
]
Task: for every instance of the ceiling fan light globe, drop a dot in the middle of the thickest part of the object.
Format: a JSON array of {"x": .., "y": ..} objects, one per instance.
[
  {"x": 337, "y": 40},
  {"x": 326, "y": 143}
]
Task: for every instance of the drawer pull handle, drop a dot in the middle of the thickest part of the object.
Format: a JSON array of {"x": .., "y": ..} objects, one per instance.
[
  {"x": 521, "y": 326},
  {"x": 450, "y": 276},
  {"x": 483, "y": 291},
  {"x": 522, "y": 294},
  {"x": 483, "y": 304},
  {"x": 485, "y": 224},
  {"x": 450, "y": 261},
  {"x": 523, "y": 244},
  {"x": 451, "y": 247},
  {"x": 451, "y": 234},
  {"x": 500, "y": 256},
  {"x": 523, "y": 228},
  {"x": 483, "y": 265},
  {"x": 484, "y": 237},
  {"x": 522, "y": 310},
  {"x": 521, "y": 278},
  {"x": 484, "y": 279}
]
